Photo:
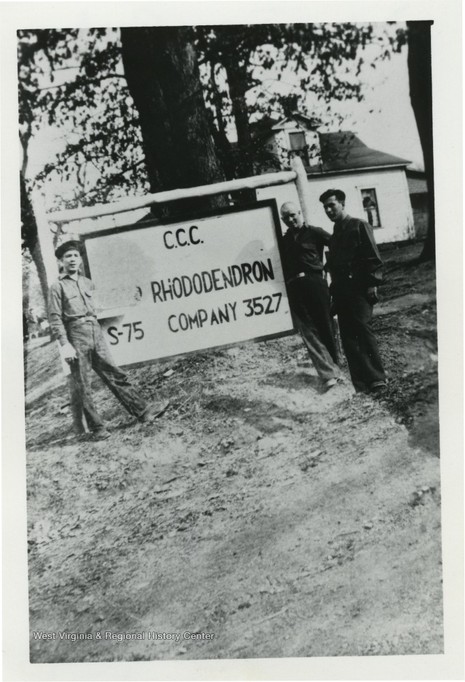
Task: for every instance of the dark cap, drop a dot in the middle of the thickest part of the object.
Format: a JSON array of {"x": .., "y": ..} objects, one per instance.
[{"x": 66, "y": 245}]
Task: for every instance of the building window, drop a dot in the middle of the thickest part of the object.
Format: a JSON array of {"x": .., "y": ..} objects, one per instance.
[
  {"x": 370, "y": 206},
  {"x": 298, "y": 145}
]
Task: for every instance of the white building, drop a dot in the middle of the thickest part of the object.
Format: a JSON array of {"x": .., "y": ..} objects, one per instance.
[{"x": 375, "y": 183}]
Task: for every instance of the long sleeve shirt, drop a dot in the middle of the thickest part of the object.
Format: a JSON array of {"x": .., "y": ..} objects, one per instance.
[
  {"x": 69, "y": 299},
  {"x": 353, "y": 254},
  {"x": 303, "y": 250}
]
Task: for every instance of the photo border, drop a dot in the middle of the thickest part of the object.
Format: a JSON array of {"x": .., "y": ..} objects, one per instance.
[{"x": 447, "y": 105}]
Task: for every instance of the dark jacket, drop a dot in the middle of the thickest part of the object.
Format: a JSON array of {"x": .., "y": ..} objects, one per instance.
[
  {"x": 303, "y": 250},
  {"x": 353, "y": 255}
]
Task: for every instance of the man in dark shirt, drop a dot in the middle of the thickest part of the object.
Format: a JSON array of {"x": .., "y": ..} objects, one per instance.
[
  {"x": 308, "y": 292},
  {"x": 355, "y": 267},
  {"x": 74, "y": 324}
]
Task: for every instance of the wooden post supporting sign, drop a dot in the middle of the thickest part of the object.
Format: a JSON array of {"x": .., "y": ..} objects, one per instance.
[{"x": 301, "y": 184}]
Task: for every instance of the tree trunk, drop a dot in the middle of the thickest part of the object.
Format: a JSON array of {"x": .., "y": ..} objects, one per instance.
[
  {"x": 220, "y": 138},
  {"x": 30, "y": 236},
  {"x": 421, "y": 91},
  {"x": 237, "y": 82},
  {"x": 30, "y": 241},
  {"x": 163, "y": 78}
]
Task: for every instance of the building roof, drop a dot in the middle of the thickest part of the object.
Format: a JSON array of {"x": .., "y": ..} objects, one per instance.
[
  {"x": 341, "y": 151},
  {"x": 268, "y": 125},
  {"x": 345, "y": 151}
]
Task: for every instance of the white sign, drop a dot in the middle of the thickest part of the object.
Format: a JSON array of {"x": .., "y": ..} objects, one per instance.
[{"x": 178, "y": 288}]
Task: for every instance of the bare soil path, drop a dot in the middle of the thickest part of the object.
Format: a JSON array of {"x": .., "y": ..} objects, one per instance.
[{"x": 272, "y": 518}]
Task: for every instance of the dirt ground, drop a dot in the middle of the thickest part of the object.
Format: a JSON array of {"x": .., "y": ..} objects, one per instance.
[{"x": 258, "y": 517}]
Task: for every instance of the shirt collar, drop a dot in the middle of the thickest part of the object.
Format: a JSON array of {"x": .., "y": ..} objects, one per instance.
[
  {"x": 296, "y": 230},
  {"x": 340, "y": 222},
  {"x": 65, "y": 275}
]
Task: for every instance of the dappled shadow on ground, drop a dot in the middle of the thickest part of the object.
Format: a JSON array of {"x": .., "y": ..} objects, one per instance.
[
  {"x": 424, "y": 432},
  {"x": 292, "y": 380},
  {"x": 406, "y": 327},
  {"x": 413, "y": 400},
  {"x": 264, "y": 416}
]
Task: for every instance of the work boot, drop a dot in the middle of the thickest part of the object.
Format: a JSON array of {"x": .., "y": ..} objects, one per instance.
[
  {"x": 100, "y": 434},
  {"x": 330, "y": 383},
  {"x": 378, "y": 387},
  {"x": 153, "y": 411}
]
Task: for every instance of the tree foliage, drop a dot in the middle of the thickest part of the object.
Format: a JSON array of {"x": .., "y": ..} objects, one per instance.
[
  {"x": 126, "y": 125},
  {"x": 72, "y": 80},
  {"x": 73, "y": 96},
  {"x": 245, "y": 66}
]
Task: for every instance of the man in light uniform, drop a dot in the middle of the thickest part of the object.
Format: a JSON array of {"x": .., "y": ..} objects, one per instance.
[{"x": 74, "y": 324}]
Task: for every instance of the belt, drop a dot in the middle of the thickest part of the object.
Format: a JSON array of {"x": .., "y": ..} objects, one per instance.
[
  {"x": 298, "y": 276},
  {"x": 87, "y": 316}
]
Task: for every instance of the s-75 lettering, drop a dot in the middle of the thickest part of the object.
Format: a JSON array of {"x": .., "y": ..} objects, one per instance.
[{"x": 132, "y": 331}]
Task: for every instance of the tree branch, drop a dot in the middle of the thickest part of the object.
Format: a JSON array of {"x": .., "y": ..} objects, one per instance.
[{"x": 91, "y": 81}]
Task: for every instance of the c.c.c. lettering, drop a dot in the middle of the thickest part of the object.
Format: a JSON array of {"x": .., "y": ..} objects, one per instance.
[{"x": 181, "y": 237}]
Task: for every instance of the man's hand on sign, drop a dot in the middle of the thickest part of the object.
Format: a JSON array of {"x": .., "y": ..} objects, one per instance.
[{"x": 69, "y": 353}]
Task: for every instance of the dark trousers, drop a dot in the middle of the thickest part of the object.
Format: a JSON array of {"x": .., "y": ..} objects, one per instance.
[
  {"x": 358, "y": 340},
  {"x": 309, "y": 299},
  {"x": 92, "y": 353}
]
